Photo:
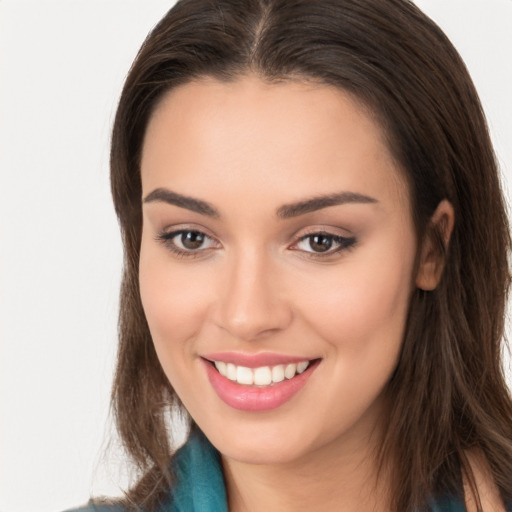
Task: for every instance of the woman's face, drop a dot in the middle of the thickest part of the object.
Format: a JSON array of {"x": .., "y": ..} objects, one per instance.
[{"x": 277, "y": 230}]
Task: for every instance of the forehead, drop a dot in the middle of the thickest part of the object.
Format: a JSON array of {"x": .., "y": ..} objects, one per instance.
[{"x": 294, "y": 137}]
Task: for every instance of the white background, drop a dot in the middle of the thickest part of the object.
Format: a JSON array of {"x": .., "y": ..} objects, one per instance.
[{"x": 61, "y": 70}]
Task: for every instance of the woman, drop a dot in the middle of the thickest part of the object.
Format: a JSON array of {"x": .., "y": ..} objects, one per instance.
[{"x": 315, "y": 264}]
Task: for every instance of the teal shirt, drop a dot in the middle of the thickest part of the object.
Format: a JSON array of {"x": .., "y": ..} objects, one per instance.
[{"x": 201, "y": 485}]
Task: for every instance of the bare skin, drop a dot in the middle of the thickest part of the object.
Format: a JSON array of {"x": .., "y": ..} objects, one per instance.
[
  {"x": 327, "y": 482},
  {"x": 230, "y": 158}
]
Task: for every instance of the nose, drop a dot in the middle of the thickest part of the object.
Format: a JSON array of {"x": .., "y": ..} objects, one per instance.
[{"x": 252, "y": 303}]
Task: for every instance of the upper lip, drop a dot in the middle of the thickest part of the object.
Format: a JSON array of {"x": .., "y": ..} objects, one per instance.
[{"x": 255, "y": 360}]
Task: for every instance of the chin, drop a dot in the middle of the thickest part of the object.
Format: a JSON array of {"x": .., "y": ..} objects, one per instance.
[
  {"x": 262, "y": 444},
  {"x": 248, "y": 452}
]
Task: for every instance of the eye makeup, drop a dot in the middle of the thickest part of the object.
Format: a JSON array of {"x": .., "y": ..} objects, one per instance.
[
  {"x": 193, "y": 243},
  {"x": 323, "y": 244}
]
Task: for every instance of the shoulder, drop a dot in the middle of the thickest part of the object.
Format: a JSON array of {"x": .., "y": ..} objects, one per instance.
[{"x": 199, "y": 481}]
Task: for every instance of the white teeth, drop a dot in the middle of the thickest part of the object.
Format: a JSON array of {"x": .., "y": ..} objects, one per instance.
[
  {"x": 221, "y": 367},
  {"x": 244, "y": 375},
  {"x": 302, "y": 366},
  {"x": 278, "y": 373},
  {"x": 290, "y": 370},
  {"x": 231, "y": 371},
  {"x": 262, "y": 376}
]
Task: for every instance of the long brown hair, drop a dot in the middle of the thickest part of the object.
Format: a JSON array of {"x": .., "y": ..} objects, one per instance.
[{"x": 448, "y": 394}]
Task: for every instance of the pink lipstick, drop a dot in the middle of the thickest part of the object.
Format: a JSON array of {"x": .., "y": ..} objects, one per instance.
[{"x": 257, "y": 382}]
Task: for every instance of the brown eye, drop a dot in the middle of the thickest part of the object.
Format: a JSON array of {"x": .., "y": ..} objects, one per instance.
[
  {"x": 323, "y": 244},
  {"x": 188, "y": 242},
  {"x": 192, "y": 240},
  {"x": 320, "y": 243}
]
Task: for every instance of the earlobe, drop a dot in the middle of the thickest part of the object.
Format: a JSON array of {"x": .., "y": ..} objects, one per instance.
[{"x": 434, "y": 246}]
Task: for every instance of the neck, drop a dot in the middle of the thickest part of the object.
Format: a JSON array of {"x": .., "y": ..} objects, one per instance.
[{"x": 332, "y": 478}]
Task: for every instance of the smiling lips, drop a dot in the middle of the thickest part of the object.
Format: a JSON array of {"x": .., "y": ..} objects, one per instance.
[
  {"x": 262, "y": 376},
  {"x": 253, "y": 385}
]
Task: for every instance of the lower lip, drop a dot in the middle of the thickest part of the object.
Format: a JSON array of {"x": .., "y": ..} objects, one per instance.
[{"x": 249, "y": 398}]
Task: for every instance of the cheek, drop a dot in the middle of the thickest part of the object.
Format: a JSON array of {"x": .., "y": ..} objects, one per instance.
[
  {"x": 362, "y": 310},
  {"x": 171, "y": 301},
  {"x": 359, "y": 312}
]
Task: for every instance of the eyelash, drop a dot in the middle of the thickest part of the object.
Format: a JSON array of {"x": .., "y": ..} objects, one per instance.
[
  {"x": 344, "y": 243},
  {"x": 167, "y": 240}
]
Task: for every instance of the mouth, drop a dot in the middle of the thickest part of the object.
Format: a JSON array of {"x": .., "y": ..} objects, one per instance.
[
  {"x": 261, "y": 376},
  {"x": 258, "y": 388}
]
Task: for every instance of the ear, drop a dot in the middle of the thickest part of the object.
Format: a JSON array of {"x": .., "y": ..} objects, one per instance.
[{"x": 434, "y": 246}]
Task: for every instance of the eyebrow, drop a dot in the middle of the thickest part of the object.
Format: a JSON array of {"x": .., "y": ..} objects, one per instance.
[
  {"x": 164, "y": 195},
  {"x": 283, "y": 212},
  {"x": 317, "y": 203}
]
